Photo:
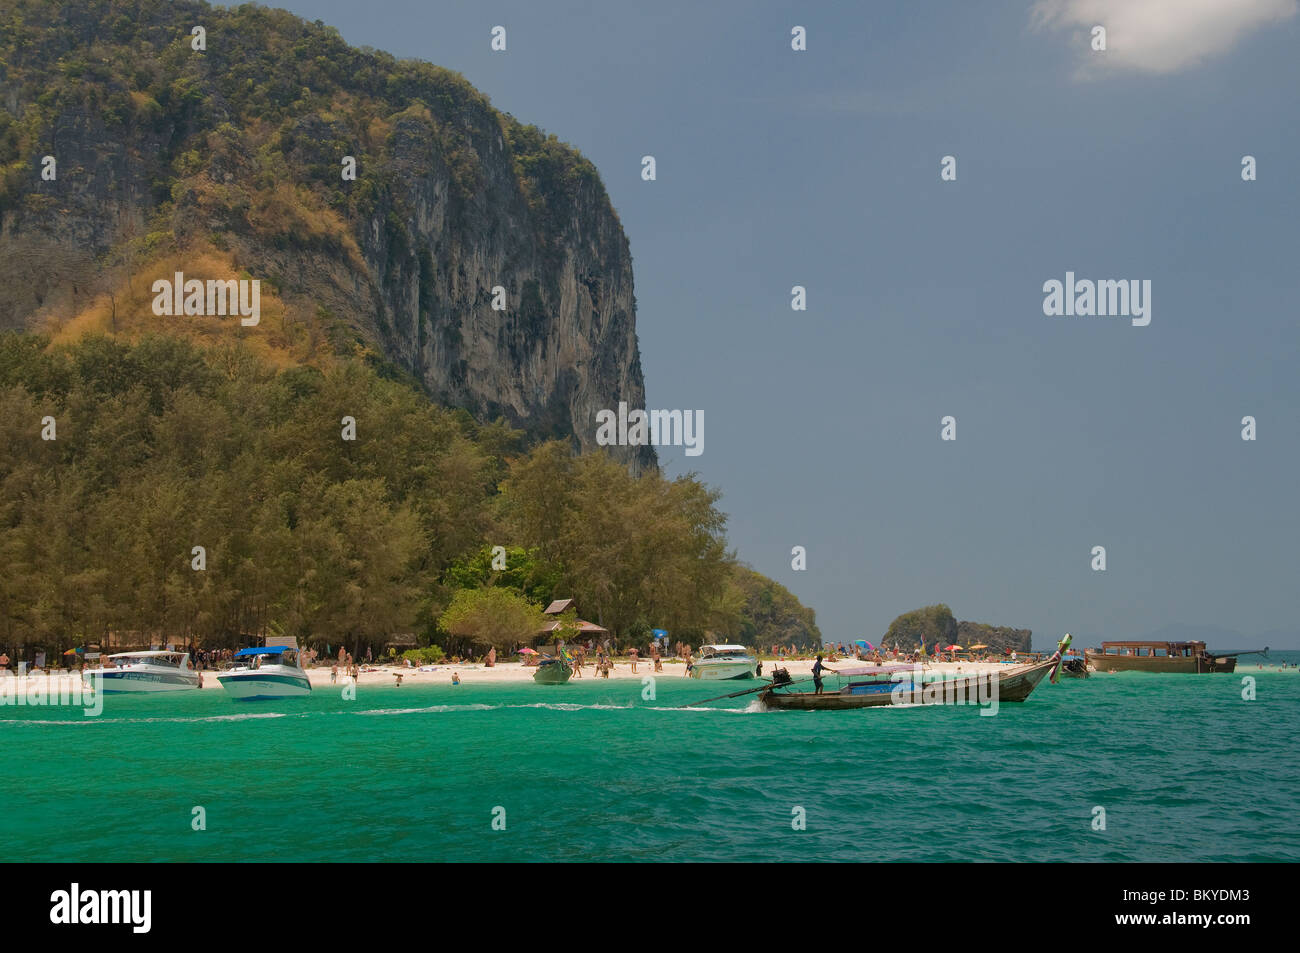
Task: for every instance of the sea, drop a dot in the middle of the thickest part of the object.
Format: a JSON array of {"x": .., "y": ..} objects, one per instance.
[{"x": 1114, "y": 768}]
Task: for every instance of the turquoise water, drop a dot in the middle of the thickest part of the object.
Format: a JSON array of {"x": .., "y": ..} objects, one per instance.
[{"x": 1184, "y": 767}]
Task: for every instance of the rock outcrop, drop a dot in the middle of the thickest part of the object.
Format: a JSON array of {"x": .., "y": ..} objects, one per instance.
[{"x": 236, "y": 157}]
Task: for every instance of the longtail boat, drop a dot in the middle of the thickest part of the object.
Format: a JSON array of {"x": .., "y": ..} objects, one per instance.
[
  {"x": 552, "y": 671},
  {"x": 885, "y": 685},
  {"x": 1075, "y": 666}
]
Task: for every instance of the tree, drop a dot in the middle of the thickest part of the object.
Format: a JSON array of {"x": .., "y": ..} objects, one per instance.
[
  {"x": 492, "y": 617},
  {"x": 926, "y": 626}
]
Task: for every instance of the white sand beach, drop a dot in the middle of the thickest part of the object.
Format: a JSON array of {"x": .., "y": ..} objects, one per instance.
[{"x": 476, "y": 673}]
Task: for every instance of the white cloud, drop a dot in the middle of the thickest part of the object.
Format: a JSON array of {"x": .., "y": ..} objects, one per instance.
[{"x": 1160, "y": 36}]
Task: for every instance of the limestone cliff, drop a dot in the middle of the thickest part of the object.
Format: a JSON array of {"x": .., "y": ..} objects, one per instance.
[{"x": 231, "y": 158}]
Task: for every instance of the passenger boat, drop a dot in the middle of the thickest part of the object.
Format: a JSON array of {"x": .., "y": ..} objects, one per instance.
[
  {"x": 885, "y": 685},
  {"x": 146, "y": 672},
  {"x": 724, "y": 661},
  {"x": 552, "y": 671},
  {"x": 270, "y": 672},
  {"x": 1175, "y": 657}
]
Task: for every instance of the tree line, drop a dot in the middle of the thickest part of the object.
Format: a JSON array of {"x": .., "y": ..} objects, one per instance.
[{"x": 164, "y": 491}]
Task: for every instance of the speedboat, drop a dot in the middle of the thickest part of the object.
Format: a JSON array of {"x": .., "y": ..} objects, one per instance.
[
  {"x": 270, "y": 672},
  {"x": 724, "y": 661},
  {"x": 142, "y": 672}
]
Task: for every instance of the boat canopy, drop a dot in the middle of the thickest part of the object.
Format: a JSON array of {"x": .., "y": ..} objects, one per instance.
[
  {"x": 875, "y": 670},
  {"x": 151, "y": 654},
  {"x": 725, "y": 648},
  {"x": 269, "y": 650}
]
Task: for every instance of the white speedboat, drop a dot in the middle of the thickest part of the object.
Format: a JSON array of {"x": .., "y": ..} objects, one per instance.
[
  {"x": 271, "y": 672},
  {"x": 141, "y": 672},
  {"x": 724, "y": 661}
]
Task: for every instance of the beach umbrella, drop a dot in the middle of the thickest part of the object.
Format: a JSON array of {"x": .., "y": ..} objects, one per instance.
[
  {"x": 952, "y": 648},
  {"x": 980, "y": 646},
  {"x": 862, "y": 642},
  {"x": 526, "y": 651}
]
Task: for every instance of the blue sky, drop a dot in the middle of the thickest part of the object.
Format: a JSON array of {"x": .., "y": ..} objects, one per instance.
[{"x": 821, "y": 168}]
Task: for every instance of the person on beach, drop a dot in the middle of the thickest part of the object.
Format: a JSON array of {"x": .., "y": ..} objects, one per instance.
[
  {"x": 817, "y": 670},
  {"x": 455, "y": 678},
  {"x": 492, "y": 657},
  {"x": 690, "y": 662},
  {"x": 634, "y": 654},
  {"x": 399, "y": 679},
  {"x": 654, "y": 656},
  {"x": 334, "y": 674}
]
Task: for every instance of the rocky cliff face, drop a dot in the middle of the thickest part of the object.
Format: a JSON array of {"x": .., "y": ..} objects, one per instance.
[{"x": 231, "y": 159}]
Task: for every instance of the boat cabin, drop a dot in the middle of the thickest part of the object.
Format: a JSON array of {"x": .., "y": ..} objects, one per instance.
[
  {"x": 722, "y": 651},
  {"x": 1151, "y": 656},
  {"x": 1154, "y": 649},
  {"x": 161, "y": 659}
]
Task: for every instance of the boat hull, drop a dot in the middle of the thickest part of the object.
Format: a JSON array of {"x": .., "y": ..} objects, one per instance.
[
  {"x": 555, "y": 673},
  {"x": 257, "y": 685},
  {"x": 723, "y": 671},
  {"x": 1181, "y": 665},
  {"x": 1011, "y": 686},
  {"x": 1074, "y": 668},
  {"x": 144, "y": 683}
]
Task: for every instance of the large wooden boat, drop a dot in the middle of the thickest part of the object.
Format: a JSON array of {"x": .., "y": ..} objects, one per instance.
[
  {"x": 1178, "y": 657},
  {"x": 882, "y": 687}
]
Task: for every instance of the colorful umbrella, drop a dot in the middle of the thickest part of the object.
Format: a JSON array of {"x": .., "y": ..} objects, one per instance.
[
  {"x": 953, "y": 648},
  {"x": 980, "y": 646},
  {"x": 526, "y": 652}
]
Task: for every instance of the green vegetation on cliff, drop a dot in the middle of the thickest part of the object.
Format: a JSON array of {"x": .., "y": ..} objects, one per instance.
[
  {"x": 936, "y": 625},
  {"x": 379, "y": 202}
]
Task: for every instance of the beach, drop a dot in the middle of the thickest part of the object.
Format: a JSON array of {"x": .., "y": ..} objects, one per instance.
[{"x": 477, "y": 673}]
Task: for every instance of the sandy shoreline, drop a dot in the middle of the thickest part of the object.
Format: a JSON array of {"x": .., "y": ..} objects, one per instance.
[{"x": 506, "y": 672}]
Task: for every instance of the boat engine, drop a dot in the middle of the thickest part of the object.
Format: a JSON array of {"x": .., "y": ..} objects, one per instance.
[{"x": 780, "y": 677}]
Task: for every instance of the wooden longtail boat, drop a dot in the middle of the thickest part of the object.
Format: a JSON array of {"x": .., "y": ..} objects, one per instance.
[
  {"x": 881, "y": 688},
  {"x": 552, "y": 671},
  {"x": 1076, "y": 666}
]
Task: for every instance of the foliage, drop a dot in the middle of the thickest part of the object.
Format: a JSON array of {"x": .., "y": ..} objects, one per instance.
[
  {"x": 492, "y": 617},
  {"x": 163, "y": 445},
  {"x": 927, "y": 625},
  {"x": 429, "y": 655},
  {"x": 768, "y": 614}
]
